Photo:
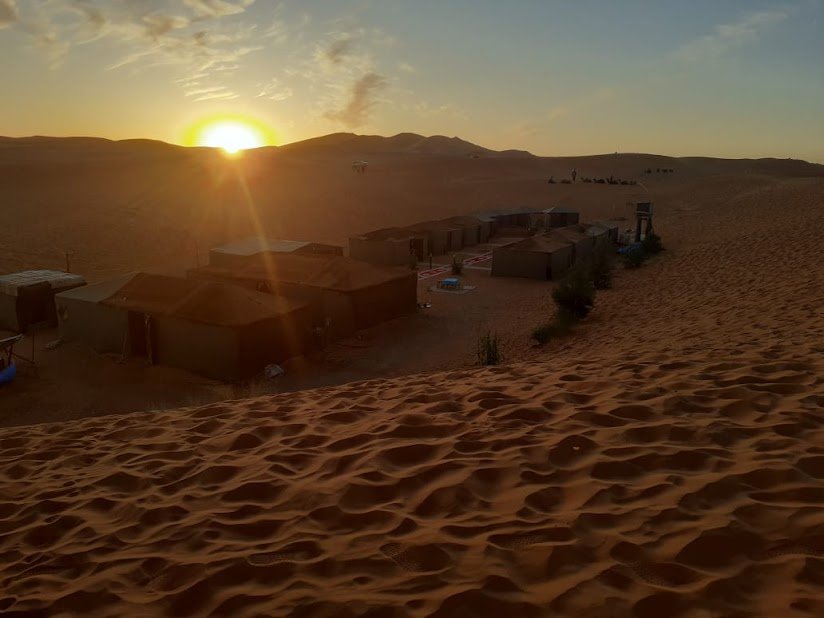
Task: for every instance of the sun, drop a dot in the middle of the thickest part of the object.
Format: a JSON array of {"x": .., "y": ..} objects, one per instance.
[{"x": 230, "y": 133}]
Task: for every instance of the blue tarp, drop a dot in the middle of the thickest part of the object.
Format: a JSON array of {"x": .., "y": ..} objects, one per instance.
[{"x": 7, "y": 374}]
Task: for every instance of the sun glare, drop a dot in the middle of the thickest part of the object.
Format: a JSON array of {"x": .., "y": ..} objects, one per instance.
[{"x": 232, "y": 134}]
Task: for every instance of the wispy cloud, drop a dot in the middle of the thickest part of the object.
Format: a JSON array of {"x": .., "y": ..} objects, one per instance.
[
  {"x": 217, "y": 8},
  {"x": 8, "y": 13},
  {"x": 147, "y": 34},
  {"x": 726, "y": 37},
  {"x": 361, "y": 101},
  {"x": 449, "y": 110},
  {"x": 274, "y": 90},
  {"x": 339, "y": 49}
]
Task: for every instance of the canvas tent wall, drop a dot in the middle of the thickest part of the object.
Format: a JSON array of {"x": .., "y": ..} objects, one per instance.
[
  {"x": 27, "y": 297},
  {"x": 389, "y": 247},
  {"x": 583, "y": 244},
  {"x": 608, "y": 229},
  {"x": 231, "y": 253},
  {"x": 442, "y": 236},
  {"x": 537, "y": 257},
  {"x": 81, "y": 316},
  {"x": 474, "y": 231},
  {"x": 557, "y": 216},
  {"x": 217, "y": 330},
  {"x": 345, "y": 295}
]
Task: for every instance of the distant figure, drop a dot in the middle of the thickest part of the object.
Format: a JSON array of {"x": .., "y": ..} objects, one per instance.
[{"x": 574, "y": 174}]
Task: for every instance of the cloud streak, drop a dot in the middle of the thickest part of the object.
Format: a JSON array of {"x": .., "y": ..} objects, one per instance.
[
  {"x": 362, "y": 98},
  {"x": 8, "y": 13},
  {"x": 726, "y": 37}
]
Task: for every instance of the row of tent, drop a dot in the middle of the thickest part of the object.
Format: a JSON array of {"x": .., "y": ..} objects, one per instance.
[
  {"x": 550, "y": 254},
  {"x": 395, "y": 246},
  {"x": 226, "y": 320}
]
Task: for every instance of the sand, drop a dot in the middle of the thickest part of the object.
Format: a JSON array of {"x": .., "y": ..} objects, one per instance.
[{"x": 667, "y": 459}]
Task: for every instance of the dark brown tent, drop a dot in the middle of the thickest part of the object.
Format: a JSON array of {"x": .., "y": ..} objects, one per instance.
[
  {"x": 345, "y": 295},
  {"x": 215, "y": 329}
]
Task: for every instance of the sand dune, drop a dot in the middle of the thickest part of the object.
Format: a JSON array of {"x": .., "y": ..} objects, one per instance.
[
  {"x": 678, "y": 485},
  {"x": 665, "y": 460},
  {"x": 138, "y": 204}
]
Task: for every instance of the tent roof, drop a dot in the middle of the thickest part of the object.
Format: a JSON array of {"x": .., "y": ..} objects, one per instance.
[
  {"x": 561, "y": 210},
  {"x": 199, "y": 301},
  {"x": 254, "y": 244},
  {"x": 97, "y": 292},
  {"x": 389, "y": 233},
  {"x": 464, "y": 221},
  {"x": 539, "y": 244},
  {"x": 331, "y": 272},
  {"x": 571, "y": 232},
  {"x": 58, "y": 280}
]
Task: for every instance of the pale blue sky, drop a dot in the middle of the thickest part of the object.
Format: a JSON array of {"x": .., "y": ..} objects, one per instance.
[{"x": 720, "y": 78}]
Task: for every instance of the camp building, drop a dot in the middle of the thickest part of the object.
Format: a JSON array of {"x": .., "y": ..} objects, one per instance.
[
  {"x": 345, "y": 295},
  {"x": 537, "y": 257},
  {"x": 27, "y": 297},
  {"x": 214, "y": 329},
  {"x": 557, "y": 216},
  {"x": 389, "y": 247},
  {"x": 231, "y": 253}
]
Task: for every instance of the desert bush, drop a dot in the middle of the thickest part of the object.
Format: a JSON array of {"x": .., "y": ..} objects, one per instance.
[
  {"x": 602, "y": 264},
  {"x": 558, "y": 327},
  {"x": 575, "y": 293},
  {"x": 488, "y": 352},
  {"x": 457, "y": 265},
  {"x": 652, "y": 244},
  {"x": 634, "y": 257}
]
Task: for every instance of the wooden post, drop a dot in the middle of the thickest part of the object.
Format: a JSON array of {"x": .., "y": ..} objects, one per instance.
[{"x": 68, "y": 261}]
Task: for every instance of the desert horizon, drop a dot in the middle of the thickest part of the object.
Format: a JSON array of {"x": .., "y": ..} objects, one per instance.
[{"x": 365, "y": 310}]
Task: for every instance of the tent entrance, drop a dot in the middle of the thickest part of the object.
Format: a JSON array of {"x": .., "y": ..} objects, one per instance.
[
  {"x": 141, "y": 336},
  {"x": 416, "y": 247}
]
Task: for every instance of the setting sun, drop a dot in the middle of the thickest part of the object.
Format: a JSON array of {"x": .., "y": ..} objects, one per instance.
[{"x": 232, "y": 134}]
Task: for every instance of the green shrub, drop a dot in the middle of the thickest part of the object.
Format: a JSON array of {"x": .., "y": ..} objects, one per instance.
[
  {"x": 601, "y": 265},
  {"x": 457, "y": 265},
  {"x": 575, "y": 293},
  {"x": 634, "y": 257},
  {"x": 652, "y": 244},
  {"x": 488, "y": 352}
]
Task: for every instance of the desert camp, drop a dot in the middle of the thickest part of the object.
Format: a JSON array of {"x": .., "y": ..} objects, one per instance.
[{"x": 411, "y": 310}]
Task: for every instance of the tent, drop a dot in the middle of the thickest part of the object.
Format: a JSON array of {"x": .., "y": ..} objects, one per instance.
[
  {"x": 221, "y": 331},
  {"x": 536, "y": 257},
  {"x": 27, "y": 297},
  {"x": 345, "y": 295}
]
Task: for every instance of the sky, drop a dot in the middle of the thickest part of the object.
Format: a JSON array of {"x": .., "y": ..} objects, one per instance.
[{"x": 728, "y": 78}]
